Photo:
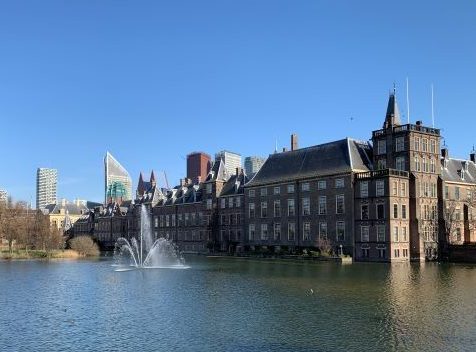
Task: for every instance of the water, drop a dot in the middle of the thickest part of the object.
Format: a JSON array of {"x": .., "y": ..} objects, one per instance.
[
  {"x": 237, "y": 305},
  {"x": 145, "y": 252}
]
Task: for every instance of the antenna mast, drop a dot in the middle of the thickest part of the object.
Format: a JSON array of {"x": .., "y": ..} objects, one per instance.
[
  {"x": 432, "y": 108},
  {"x": 408, "y": 104}
]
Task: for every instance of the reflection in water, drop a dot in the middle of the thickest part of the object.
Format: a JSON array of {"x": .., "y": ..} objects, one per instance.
[{"x": 237, "y": 305}]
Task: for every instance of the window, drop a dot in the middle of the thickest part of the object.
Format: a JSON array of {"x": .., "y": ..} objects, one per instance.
[
  {"x": 381, "y": 147},
  {"x": 395, "y": 211},
  {"x": 380, "y": 233},
  {"x": 399, "y": 144},
  {"x": 405, "y": 252},
  {"x": 447, "y": 192},
  {"x": 394, "y": 188},
  {"x": 395, "y": 234},
  {"x": 238, "y": 202},
  {"x": 277, "y": 190},
  {"x": 457, "y": 193},
  {"x": 432, "y": 165},
  {"x": 340, "y": 204},
  {"x": 458, "y": 234},
  {"x": 209, "y": 188},
  {"x": 291, "y": 231},
  {"x": 339, "y": 183},
  {"x": 365, "y": 252},
  {"x": 322, "y": 184},
  {"x": 264, "y": 209},
  {"x": 381, "y": 253},
  {"x": 381, "y": 164},
  {"x": 432, "y": 146},
  {"x": 290, "y": 188},
  {"x": 404, "y": 211},
  {"x": 306, "y": 206},
  {"x": 380, "y": 211},
  {"x": 305, "y": 186},
  {"x": 179, "y": 219},
  {"x": 167, "y": 220},
  {"x": 323, "y": 230},
  {"x": 277, "y": 231},
  {"x": 223, "y": 203},
  {"x": 457, "y": 216},
  {"x": 251, "y": 193},
  {"x": 364, "y": 189},
  {"x": 322, "y": 205},
  {"x": 186, "y": 219},
  {"x": 209, "y": 203},
  {"x": 230, "y": 202},
  {"x": 364, "y": 212},
  {"x": 380, "y": 188},
  {"x": 291, "y": 210},
  {"x": 156, "y": 221},
  {"x": 400, "y": 163},
  {"x": 173, "y": 220},
  {"x": 404, "y": 235},
  {"x": 251, "y": 210},
  {"x": 396, "y": 253},
  {"x": 264, "y": 232},
  {"x": 417, "y": 143},
  {"x": 364, "y": 233},
  {"x": 417, "y": 164},
  {"x": 340, "y": 231},
  {"x": 403, "y": 189},
  {"x": 264, "y": 192},
  {"x": 277, "y": 208},
  {"x": 424, "y": 145},
  {"x": 306, "y": 231},
  {"x": 251, "y": 232}
]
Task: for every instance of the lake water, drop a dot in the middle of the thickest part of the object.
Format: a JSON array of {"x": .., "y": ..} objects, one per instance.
[{"x": 237, "y": 305}]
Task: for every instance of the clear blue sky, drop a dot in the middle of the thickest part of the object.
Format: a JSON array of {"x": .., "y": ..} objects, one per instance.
[{"x": 151, "y": 81}]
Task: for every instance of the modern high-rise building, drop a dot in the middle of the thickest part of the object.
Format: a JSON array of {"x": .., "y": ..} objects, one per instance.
[
  {"x": 198, "y": 166},
  {"x": 232, "y": 161},
  {"x": 3, "y": 196},
  {"x": 46, "y": 187},
  {"x": 253, "y": 164},
  {"x": 117, "y": 181}
]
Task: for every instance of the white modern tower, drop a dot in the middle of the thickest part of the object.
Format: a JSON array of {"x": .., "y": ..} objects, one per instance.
[
  {"x": 46, "y": 187},
  {"x": 118, "y": 182}
]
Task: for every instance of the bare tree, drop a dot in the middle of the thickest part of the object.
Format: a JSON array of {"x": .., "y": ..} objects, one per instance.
[{"x": 324, "y": 245}]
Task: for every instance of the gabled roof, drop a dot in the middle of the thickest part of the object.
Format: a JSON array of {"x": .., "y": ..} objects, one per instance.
[
  {"x": 234, "y": 185},
  {"x": 70, "y": 208},
  {"x": 336, "y": 157},
  {"x": 452, "y": 169},
  {"x": 217, "y": 172}
]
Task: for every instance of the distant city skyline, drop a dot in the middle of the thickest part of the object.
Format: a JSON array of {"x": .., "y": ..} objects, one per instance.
[{"x": 141, "y": 80}]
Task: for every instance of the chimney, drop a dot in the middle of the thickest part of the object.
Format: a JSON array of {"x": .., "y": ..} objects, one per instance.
[
  {"x": 237, "y": 171},
  {"x": 284, "y": 149},
  {"x": 419, "y": 123},
  {"x": 472, "y": 156},
  {"x": 445, "y": 153},
  {"x": 294, "y": 142}
]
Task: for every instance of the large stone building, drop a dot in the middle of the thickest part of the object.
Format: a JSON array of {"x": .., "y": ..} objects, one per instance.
[{"x": 394, "y": 199}]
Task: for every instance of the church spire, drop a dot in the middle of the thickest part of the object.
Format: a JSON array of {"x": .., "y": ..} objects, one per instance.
[{"x": 392, "y": 118}]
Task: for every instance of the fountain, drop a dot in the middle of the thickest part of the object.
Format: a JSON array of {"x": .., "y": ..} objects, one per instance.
[{"x": 146, "y": 253}]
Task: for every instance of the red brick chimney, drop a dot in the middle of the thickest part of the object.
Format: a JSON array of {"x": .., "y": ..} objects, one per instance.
[{"x": 294, "y": 142}]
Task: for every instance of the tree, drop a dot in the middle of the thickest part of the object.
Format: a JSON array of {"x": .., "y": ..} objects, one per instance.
[
  {"x": 324, "y": 245},
  {"x": 12, "y": 223}
]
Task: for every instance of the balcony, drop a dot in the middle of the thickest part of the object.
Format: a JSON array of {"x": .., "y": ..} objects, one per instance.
[
  {"x": 408, "y": 127},
  {"x": 381, "y": 173}
]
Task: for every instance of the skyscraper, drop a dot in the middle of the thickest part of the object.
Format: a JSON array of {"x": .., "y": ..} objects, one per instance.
[
  {"x": 46, "y": 186},
  {"x": 253, "y": 164},
  {"x": 198, "y": 165},
  {"x": 231, "y": 160},
  {"x": 117, "y": 181}
]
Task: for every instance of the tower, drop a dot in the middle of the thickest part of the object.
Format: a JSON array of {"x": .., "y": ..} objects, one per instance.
[{"x": 46, "y": 187}]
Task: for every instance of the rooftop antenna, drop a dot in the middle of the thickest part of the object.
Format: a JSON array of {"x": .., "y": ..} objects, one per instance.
[
  {"x": 432, "y": 108},
  {"x": 408, "y": 105},
  {"x": 276, "y": 146}
]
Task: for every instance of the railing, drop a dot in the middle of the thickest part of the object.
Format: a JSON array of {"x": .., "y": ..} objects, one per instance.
[
  {"x": 408, "y": 127},
  {"x": 381, "y": 173}
]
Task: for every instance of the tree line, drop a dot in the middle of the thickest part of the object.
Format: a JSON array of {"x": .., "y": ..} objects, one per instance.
[{"x": 27, "y": 229}]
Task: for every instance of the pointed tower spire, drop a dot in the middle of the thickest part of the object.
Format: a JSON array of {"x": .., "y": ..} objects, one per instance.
[
  {"x": 392, "y": 118},
  {"x": 140, "y": 186},
  {"x": 152, "y": 179}
]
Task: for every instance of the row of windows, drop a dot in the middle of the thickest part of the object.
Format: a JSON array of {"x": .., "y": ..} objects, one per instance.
[
  {"x": 230, "y": 219},
  {"x": 429, "y": 212},
  {"x": 187, "y": 219},
  {"x": 380, "y": 188},
  {"x": 470, "y": 194},
  {"x": 231, "y": 235},
  {"x": 400, "y": 234},
  {"x": 232, "y": 202},
  {"x": 425, "y": 164},
  {"x": 419, "y": 144},
  {"x": 291, "y": 208},
  {"x": 305, "y": 186},
  {"x": 291, "y": 231}
]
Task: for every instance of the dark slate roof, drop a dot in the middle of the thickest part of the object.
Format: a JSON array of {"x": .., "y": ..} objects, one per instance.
[
  {"x": 234, "y": 185},
  {"x": 455, "y": 167},
  {"x": 217, "y": 172},
  {"x": 392, "y": 117},
  {"x": 337, "y": 157},
  {"x": 70, "y": 208}
]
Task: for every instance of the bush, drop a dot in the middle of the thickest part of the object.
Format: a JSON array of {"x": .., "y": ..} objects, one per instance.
[{"x": 84, "y": 245}]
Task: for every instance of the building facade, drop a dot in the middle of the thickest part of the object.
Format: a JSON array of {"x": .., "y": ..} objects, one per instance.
[
  {"x": 198, "y": 166},
  {"x": 117, "y": 181},
  {"x": 46, "y": 187}
]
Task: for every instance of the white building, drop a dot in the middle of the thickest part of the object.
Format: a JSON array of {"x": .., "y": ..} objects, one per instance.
[
  {"x": 231, "y": 160},
  {"x": 3, "y": 196},
  {"x": 46, "y": 187},
  {"x": 117, "y": 181}
]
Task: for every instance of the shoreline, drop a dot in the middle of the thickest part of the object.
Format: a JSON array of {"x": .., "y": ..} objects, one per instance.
[{"x": 21, "y": 254}]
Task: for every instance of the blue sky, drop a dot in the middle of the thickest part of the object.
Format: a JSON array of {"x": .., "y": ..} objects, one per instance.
[{"x": 151, "y": 81}]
